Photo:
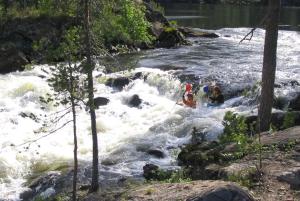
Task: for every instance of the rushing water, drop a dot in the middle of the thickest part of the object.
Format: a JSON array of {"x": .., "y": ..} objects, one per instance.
[{"x": 127, "y": 133}]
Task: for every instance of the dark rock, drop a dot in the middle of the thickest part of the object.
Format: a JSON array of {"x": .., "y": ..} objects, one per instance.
[
  {"x": 137, "y": 75},
  {"x": 150, "y": 171},
  {"x": 291, "y": 102},
  {"x": 170, "y": 38},
  {"x": 118, "y": 83},
  {"x": 100, "y": 101},
  {"x": 198, "y": 136},
  {"x": 200, "y": 154},
  {"x": 295, "y": 103},
  {"x": 154, "y": 16},
  {"x": 41, "y": 184},
  {"x": 12, "y": 59},
  {"x": 190, "y": 32},
  {"x": 153, "y": 172},
  {"x": 23, "y": 32},
  {"x": 226, "y": 193},
  {"x": 292, "y": 177},
  {"x": 156, "y": 153},
  {"x": 27, "y": 194},
  {"x": 135, "y": 101},
  {"x": 277, "y": 119}
]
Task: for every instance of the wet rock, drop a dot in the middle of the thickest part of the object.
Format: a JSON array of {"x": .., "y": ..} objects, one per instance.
[
  {"x": 100, "y": 101},
  {"x": 295, "y": 103},
  {"x": 150, "y": 171},
  {"x": 170, "y": 38},
  {"x": 118, "y": 83},
  {"x": 292, "y": 177},
  {"x": 27, "y": 194},
  {"x": 290, "y": 101},
  {"x": 153, "y": 172},
  {"x": 190, "y": 32},
  {"x": 135, "y": 101},
  {"x": 156, "y": 153},
  {"x": 138, "y": 75},
  {"x": 41, "y": 184},
  {"x": 200, "y": 154},
  {"x": 277, "y": 119}
]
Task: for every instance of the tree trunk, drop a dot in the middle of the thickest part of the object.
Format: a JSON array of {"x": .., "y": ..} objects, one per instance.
[
  {"x": 72, "y": 99},
  {"x": 95, "y": 173},
  {"x": 75, "y": 151},
  {"x": 269, "y": 66}
]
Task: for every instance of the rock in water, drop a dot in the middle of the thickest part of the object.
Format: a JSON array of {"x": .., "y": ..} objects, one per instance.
[
  {"x": 150, "y": 170},
  {"x": 156, "y": 153},
  {"x": 135, "y": 101},
  {"x": 118, "y": 83},
  {"x": 100, "y": 101}
]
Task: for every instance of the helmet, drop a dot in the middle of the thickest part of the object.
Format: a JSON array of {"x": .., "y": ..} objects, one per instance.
[
  {"x": 205, "y": 89},
  {"x": 188, "y": 87}
]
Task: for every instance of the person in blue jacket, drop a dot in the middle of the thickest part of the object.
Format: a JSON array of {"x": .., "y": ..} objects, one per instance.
[{"x": 217, "y": 97}]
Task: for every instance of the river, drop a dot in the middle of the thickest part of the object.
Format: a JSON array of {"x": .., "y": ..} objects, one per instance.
[{"x": 126, "y": 134}]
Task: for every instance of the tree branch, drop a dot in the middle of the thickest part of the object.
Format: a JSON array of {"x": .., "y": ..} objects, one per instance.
[{"x": 251, "y": 32}]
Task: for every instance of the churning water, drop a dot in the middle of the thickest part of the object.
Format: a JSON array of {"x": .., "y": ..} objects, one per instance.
[{"x": 125, "y": 133}]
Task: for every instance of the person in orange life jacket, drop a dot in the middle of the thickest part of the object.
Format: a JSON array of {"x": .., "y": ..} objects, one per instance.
[
  {"x": 188, "y": 97},
  {"x": 189, "y": 101},
  {"x": 217, "y": 97}
]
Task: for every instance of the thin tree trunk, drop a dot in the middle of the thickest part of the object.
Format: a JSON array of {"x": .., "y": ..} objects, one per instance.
[
  {"x": 75, "y": 151},
  {"x": 95, "y": 172},
  {"x": 73, "y": 105},
  {"x": 269, "y": 65}
]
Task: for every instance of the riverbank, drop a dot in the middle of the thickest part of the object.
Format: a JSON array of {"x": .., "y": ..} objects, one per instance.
[{"x": 278, "y": 179}]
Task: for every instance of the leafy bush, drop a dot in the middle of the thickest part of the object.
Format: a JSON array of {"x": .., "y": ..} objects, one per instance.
[
  {"x": 122, "y": 22},
  {"x": 234, "y": 129},
  {"x": 289, "y": 120}
]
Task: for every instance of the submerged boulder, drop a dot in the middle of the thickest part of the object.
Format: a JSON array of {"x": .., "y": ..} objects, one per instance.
[
  {"x": 135, "y": 101},
  {"x": 118, "y": 83},
  {"x": 156, "y": 153}
]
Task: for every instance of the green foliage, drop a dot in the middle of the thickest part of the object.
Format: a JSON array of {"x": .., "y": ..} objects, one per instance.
[
  {"x": 244, "y": 178},
  {"x": 289, "y": 120},
  {"x": 66, "y": 79},
  {"x": 21, "y": 9},
  {"x": 234, "y": 129},
  {"x": 178, "y": 177},
  {"x": 127, "y": 20},
  {"x": 171, "y": 177}
]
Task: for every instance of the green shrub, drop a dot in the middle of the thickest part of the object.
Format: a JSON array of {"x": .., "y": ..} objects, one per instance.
[
  {"x": 122, "y": 22},
  {"x": 289, "y": 120},
  {"x": 234, "y": 129}
]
